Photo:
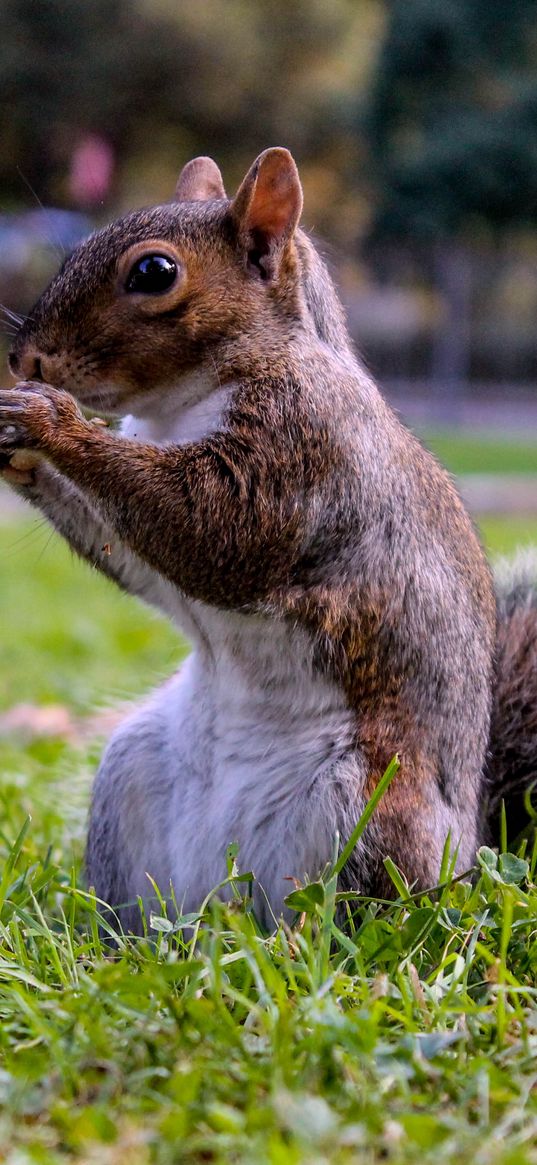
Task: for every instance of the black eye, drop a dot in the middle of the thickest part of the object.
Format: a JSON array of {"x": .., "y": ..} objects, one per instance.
[{"x": 151, "y": 275}]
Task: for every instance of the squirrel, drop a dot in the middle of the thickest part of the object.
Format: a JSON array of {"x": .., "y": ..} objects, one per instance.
[{"x": 262, "y": 493}]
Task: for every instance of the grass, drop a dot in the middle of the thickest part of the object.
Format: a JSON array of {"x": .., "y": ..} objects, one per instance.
[
  {"x": 503, "y": 536},
  {"x": 463, "y": 453},
  {"x": 409, "y": 1036},
  {"x": 68, "y": 635}
]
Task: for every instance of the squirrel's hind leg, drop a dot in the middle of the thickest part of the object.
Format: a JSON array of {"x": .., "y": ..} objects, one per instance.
[
  {"x": 127, "y": 833},
  {"x": 151, "y": 783},
  {"x": 410, "y": 825}
]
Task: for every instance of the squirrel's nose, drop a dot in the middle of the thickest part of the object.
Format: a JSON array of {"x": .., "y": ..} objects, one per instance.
[{"x": 26, "y": 367}]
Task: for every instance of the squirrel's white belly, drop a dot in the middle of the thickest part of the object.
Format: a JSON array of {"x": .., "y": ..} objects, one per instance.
[{"x": 251, "y": 739}]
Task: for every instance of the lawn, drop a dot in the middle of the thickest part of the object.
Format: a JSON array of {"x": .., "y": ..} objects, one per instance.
[
  {"x": 409, "y": 1036},
  {"x": 468, "y": 453}
]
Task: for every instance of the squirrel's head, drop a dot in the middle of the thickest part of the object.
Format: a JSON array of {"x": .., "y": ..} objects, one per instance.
[{"x": 161, "y": 292}]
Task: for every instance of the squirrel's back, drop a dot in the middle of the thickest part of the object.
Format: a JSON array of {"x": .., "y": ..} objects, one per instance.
[{"x": 511, "y": 767}]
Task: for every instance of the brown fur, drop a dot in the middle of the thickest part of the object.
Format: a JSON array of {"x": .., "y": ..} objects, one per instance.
[
  {"x": 512, "y": 762},
  {"x": 313, "y": 505}
]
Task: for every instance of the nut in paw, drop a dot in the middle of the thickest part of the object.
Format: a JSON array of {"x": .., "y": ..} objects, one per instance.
[{"x": 19, "y": 468}]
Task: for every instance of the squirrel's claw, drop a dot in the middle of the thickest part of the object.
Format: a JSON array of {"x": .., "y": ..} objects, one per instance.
[
  {"x": 13, "y": 432},
  {"x": 30, "y": 410},
  {"x": 11, "y": 436}
]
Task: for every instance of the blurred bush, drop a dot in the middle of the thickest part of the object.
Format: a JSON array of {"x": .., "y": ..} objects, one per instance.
[{"x": 414, "y": 123}]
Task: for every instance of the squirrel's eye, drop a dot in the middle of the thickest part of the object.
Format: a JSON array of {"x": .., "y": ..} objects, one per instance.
[{"x": 152, "y": 275}]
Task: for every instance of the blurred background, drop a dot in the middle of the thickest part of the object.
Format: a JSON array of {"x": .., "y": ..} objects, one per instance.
[{"x": 414, "y": 123}]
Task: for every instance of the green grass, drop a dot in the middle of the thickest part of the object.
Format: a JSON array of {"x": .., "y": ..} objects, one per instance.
[
  {"x": 463, "y": 453},
  {"x": 503, "y": 536},
  {"x": 411, "y": 1036},
  {"x": 68, "y": 635}
]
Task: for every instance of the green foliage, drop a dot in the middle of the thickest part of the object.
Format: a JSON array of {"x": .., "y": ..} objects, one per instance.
[
  {"x": 441, "y": 93},
  {"x": 453, "y": 116},
  {"x": 157, "y": 77}
]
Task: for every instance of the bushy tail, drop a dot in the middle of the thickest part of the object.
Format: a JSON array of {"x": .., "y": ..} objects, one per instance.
[{"x": 512, "y": 766}]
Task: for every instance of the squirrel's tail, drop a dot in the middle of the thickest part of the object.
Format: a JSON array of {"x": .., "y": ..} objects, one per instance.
[{"x": 512, "y": 765}]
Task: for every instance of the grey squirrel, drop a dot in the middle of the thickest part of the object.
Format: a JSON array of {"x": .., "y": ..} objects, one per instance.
[{"x": 262, "y": 493}]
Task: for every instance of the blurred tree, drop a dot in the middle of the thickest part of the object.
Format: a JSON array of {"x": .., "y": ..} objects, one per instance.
[
  {"x": 151, "y": 77},
  {"x": 67, "y": 69},
  {"x": 452, "y": 127},
  {"x": 453, "y": 116}
]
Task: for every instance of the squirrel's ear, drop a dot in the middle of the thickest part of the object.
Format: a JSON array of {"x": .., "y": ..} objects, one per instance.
[
  {"x": 267, "y": 208},
  {"x": 199, "y": 181}
]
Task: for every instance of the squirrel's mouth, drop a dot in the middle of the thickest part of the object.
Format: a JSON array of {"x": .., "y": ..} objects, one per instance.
[
  {"x": 65, "y": 370},
  {"x": 99, "y": 398}
]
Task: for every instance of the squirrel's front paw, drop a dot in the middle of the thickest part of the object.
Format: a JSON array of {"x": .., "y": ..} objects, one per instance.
[{"x": 31, "y": 413}]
